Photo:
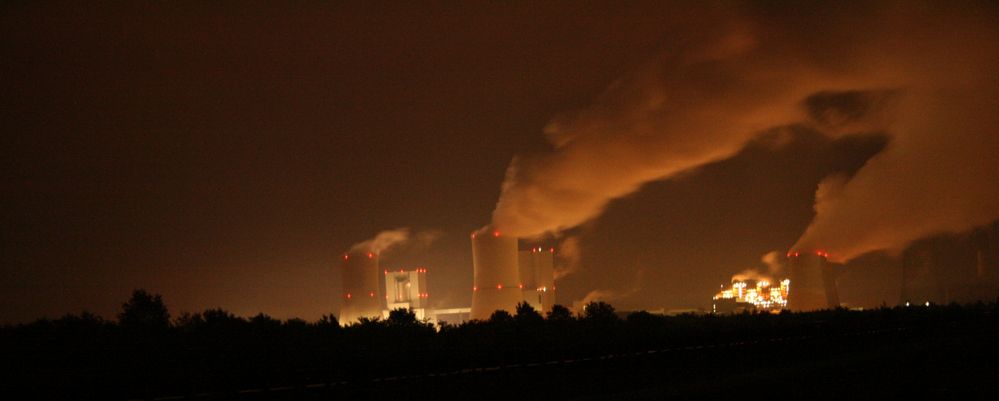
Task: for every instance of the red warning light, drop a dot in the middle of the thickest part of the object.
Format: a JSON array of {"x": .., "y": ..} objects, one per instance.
[
  {"x": 496, "y": 233},
  {"x": 475, "y": 288},
  {"x": 473, "y": 235},
  {"x": 499, "y": 286},
  {"x": 371, "y": 294},
  {"x": 370, "y": 255},
  {"x": 520, "y": 285},
  {"x": 346, "y": 256},
  {"x": 552, "y": 250},
  {"x": 348, "y": 295}
]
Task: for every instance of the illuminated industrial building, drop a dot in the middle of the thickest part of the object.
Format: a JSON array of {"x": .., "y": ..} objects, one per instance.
[
  {"x": 537, "y": 276},
  {"x": 752, "y": 295},
  {"x": 407, "y": 289},
  {"x": 361, "y": 296}
]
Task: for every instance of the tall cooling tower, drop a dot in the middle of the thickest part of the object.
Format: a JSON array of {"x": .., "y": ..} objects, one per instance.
[
  {"x": 361, "y": 295},
  {"x": 813, "y": 282},
  {"x": 496, "y": 283}
]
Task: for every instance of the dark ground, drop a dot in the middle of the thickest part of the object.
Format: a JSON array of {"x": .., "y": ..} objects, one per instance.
[{"x": 950, "y": 362}]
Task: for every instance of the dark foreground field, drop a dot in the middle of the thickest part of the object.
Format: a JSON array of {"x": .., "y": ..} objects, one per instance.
[
  {"x": 954, "y": 362},
  {"x": 940, "y": 352}
]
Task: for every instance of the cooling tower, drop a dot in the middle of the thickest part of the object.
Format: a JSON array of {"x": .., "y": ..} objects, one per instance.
[
  {"x": 361, "y": 295},
  {"x": 813, "y": 282},
  {"x": 537, "y": 273},
  {"x": 496, "y": 282}
]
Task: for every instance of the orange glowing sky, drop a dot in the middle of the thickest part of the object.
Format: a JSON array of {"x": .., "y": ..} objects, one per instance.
[{"x": 226, "y": 156}]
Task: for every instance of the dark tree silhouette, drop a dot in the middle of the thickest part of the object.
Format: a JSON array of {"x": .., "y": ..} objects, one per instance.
[
  {"x": 501, "y": 316},
  {"x": 599, "y": 311},
  {"x": 144, "y": 310},
  {"x": 527, "y": 315},
  {"x": 401, "y": 317},
  {"x": 328, "y": 321},
  {"x": 559, "y": 312}
]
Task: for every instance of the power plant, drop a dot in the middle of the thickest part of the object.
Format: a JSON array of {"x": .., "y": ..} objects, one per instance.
[
  {"x": 503, "y": 277},
  {"x": 815, "y": 288},
  {"x": 361, "y": 297},
  {"x": 496, "y": 283},
  {"x": 752, "y": 295},
  {"x": 407, "y": 289}
]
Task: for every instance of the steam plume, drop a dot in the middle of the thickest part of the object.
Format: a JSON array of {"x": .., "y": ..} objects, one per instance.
[
  {"x": 922, "y": 74},
  {"x": 389, "y": 239},
  {"x": 774, "y": 262}
]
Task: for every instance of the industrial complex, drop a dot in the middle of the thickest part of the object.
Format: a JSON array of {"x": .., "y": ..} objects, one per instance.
[{"x": 504, "y": 276}]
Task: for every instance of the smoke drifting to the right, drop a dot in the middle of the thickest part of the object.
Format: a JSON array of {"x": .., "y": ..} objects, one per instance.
[{"x": 923, "y": 76}]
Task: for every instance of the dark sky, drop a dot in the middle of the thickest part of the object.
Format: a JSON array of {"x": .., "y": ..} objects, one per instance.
[{"x": 224, "y": 155}]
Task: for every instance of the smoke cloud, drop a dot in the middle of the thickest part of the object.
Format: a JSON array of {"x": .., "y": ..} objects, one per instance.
[
  {"x": 389, "y": 239},
  {"x": 922, "y": 74},
  {"x": 775, "y": 265},
  {"x": 568, "y": 257}
]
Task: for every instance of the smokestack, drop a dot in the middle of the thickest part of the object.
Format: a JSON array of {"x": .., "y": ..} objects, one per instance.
[
  {"x": 361, "y": 295},
  {"x": 496, "y": 284},
  {"x": 813, "y": 282}
]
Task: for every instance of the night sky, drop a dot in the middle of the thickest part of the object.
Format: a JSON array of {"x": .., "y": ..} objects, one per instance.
[{"x": 226, "y": 155}]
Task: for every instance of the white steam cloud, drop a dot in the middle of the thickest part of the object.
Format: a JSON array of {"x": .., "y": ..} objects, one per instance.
[
  {"x": 923, "y": 74},
  {"x": 389, "y": 239}
]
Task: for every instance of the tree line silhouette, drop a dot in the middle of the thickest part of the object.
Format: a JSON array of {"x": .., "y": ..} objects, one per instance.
[{"x": 146, "y": 353}]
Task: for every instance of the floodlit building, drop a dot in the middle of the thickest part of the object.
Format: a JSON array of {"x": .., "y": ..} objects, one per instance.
[
  {"x": 407, "y": 289},
  {"x": 752, "y": 295}
]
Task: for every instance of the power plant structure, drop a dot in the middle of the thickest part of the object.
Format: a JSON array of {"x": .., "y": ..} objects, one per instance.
[
  {"x": 537, "y": 276},
  {"x": 407, "y": 289},
  {"x": 496, "y": 283},
  {"x": 814, "y": 281},
  {"x": 361, "y": 294},
  {"x": 752, "y": 295}
]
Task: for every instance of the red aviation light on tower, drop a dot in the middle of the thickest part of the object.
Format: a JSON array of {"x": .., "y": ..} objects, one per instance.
[
  {"x": 346, "y": 256},
  {"x": 370, "y": 255},
  {"x": 496, "y": 234},
  {"x": 499, "y": 286}
]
